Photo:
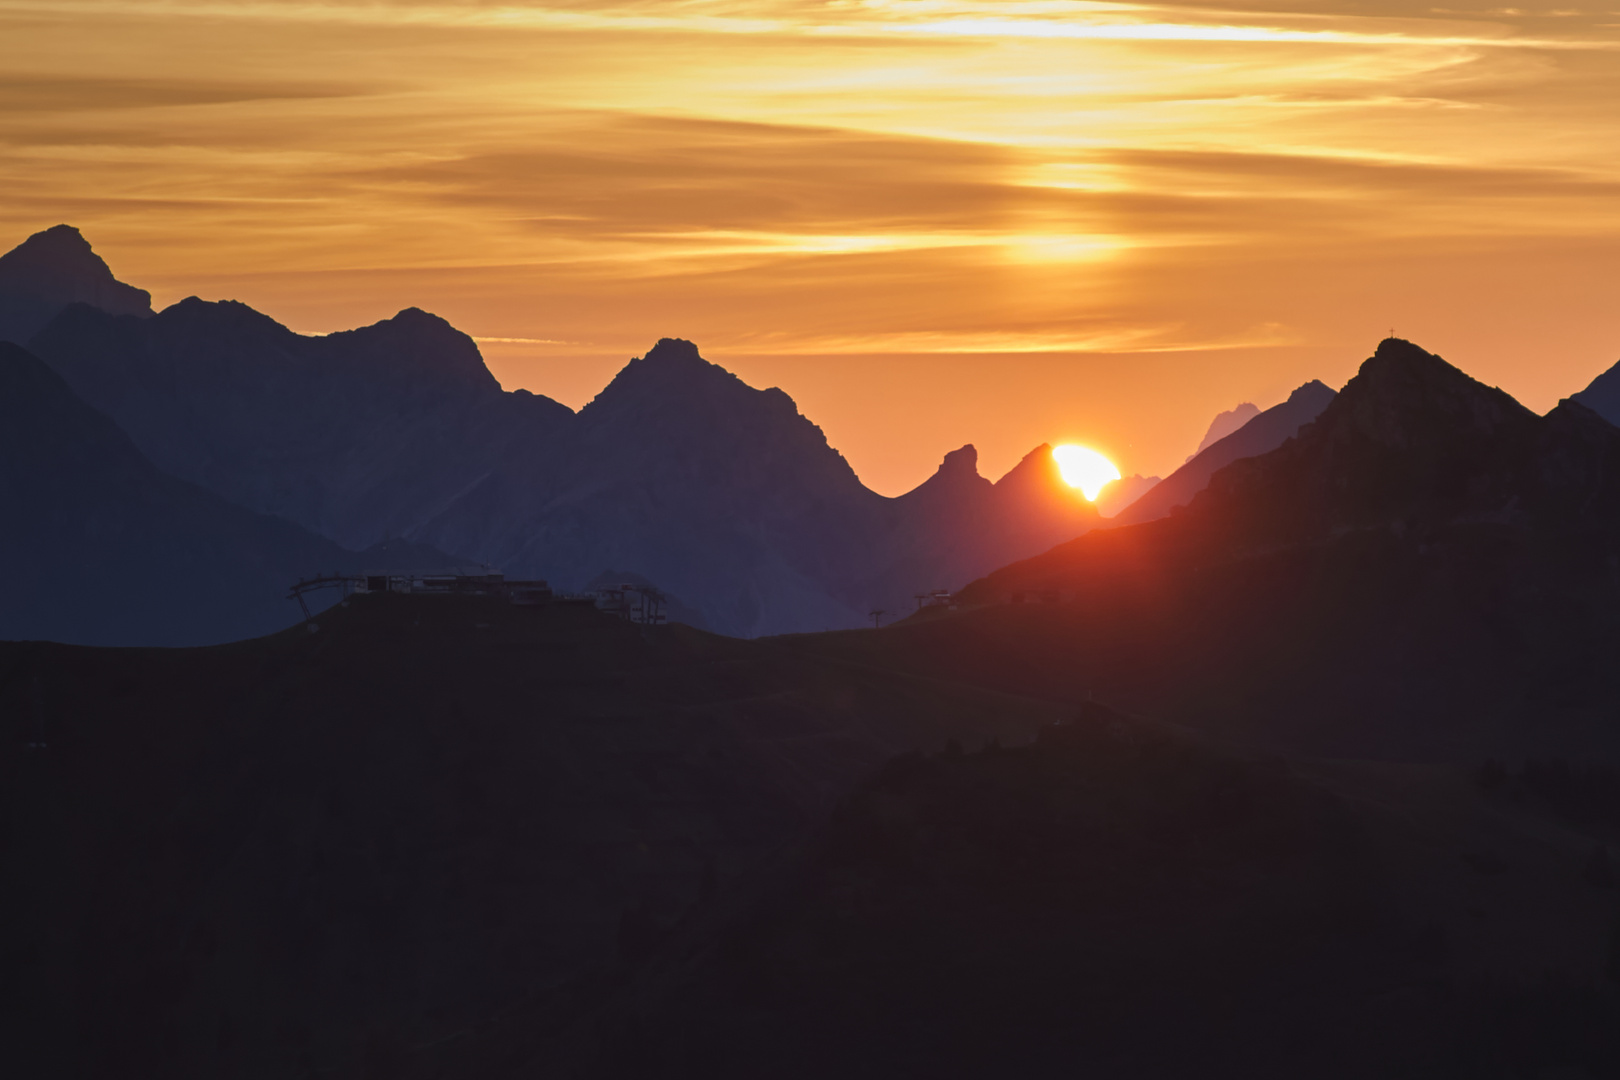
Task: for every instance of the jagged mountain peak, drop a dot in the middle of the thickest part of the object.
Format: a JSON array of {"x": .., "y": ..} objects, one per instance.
[
  {"x": 674, "y": 351},
  {"x": 958, "y": 472},
  {"x": 675, "y": 384},
  {"x": 60, "y": 265},
  {"x": 1410, "y": 439},
  {"x": 1037, "y": 465},
  {"x": 961, "y": 462},
  {"x": 671, "y": 367},
  {"x": 195, "y": 313},
  {"x": 1404, "y": 394},
  {"x": 421, "y": 346},
  {"x": 1224, "y": 424},
  {"x": 1314, "y": 392},
  {"x": 53, "y": 269}
]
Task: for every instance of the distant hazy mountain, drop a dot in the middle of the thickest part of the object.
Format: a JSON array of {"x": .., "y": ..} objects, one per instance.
[
  {"x": 728, "y": 497},
  {"x": 360, "y": 436},
  {"x": 1264, "y": 432},
  {"x": 102, "y": 548},
  {"x": 1116, "y": 497},
  {"x": 1225, "y": 424},
  {"x": 51, "y": 270},
  {"x": 1602, "y": 396}
]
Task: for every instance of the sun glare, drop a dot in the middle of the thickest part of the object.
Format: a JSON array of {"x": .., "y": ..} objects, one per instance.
[{"x": 1085, "y": 469}]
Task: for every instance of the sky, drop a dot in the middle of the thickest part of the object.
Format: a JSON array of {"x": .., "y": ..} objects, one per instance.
[{"x": 932, "y": 222}]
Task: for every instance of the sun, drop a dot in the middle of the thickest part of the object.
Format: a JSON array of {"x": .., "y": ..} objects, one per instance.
[{"x": 1085, "y": 469}]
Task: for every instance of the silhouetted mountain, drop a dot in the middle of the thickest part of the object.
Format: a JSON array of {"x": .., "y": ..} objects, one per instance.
[
  {"x": 677, "y": 471},
  {"x": 1602, "y": 395},
  {"x": 1225, "y": 424},
  {"x": 106, "y": 549},
  {"x": 1263, "y": 433},
  {"x": 444, "y": 837},
  {"x": 51, "y": 270},
  {"x": 727, "y": 496},
  {"x": 1117, "y": 496},
  {"x": 1426, "y": 571},
  {"x": 360, "y": 435}
]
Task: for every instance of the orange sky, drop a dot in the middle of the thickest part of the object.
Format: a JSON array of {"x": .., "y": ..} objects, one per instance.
[{"x": 930, "y": 221}]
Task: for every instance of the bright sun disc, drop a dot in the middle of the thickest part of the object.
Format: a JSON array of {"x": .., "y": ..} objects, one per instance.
[{"x": 1085, "y": 469}]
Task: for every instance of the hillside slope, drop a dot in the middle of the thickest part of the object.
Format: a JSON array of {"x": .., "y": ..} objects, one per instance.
[
  {"x": 342, "y": 852},
  {"x": 360, "y": 436},
  {"x": 108, "y": 550}
]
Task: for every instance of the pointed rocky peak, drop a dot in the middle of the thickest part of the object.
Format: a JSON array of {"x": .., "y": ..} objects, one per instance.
[
  {"x": 673, "y": 367},
  {"x": 216, "y": 316},
  {"x": 51, "y": 270},
  {"x": 1224, "y": 424},
  {"x": 416, "y": 347},
  {"x": 1410, "y": 439},
  {"x": 959, "y": 471},
  {"x": 1405, "y": 396},
  {"x": 1314, "y": 396},
  {"x": 1036, "y": 467},
  {"x": 674, "y": 351},
  {"x": 963, "y": 463},
  {"x": 59, "y": 265},
  {"x": 674, "y": 381}
]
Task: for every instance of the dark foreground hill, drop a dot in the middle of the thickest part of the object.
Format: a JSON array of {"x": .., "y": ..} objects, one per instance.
[
  {"x": 347, "y": 852},
  {"x": 1122, "y": 901},
  {"x": 103, "y": 548},
  {"x": 1427, "y": 572},
  {"x": 444, "y": 837}
]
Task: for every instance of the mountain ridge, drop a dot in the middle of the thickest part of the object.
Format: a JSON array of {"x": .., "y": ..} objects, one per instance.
[
  {"x": 1264, "y": 432},
  {"x": 118, "y": 552},
  {"x": 55, "y": 268},
  {"x": 677, "y": 471}
]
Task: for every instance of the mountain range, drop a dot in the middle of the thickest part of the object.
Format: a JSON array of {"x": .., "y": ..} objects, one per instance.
[
  {"x": 1318, "y": 777},
  {"x": 1428, "y": 571},
  {"x": 1315, "y": 774},
  {"x": 678, "y": 471}
]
